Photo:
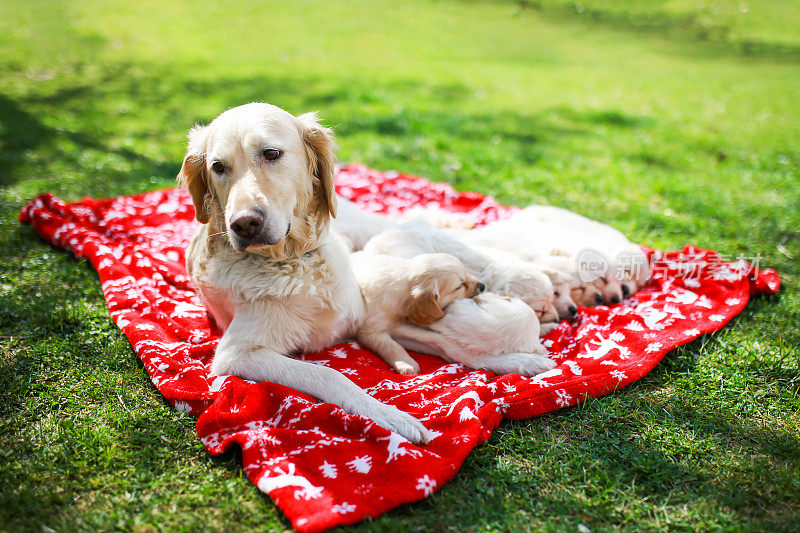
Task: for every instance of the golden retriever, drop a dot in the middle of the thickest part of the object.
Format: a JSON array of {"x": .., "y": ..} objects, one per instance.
[{"x": 272, "y": 275}]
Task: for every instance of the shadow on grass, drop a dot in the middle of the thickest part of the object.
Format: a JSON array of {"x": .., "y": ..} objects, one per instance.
[
  {"x": 89, "y": 147},
  {"x": 717, "y": 34}
]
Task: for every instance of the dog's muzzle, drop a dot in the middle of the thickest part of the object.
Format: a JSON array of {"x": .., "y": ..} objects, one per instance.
[{"x": 250, "y": 227}]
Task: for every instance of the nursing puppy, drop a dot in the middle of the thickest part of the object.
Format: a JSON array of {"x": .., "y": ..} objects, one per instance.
[
  {"x": 272, "y": 276},
  {"x": 506, "y": 278},
  {"x": 396, "y": 290},
  {"x": 537, "y": 232},
  {"x": 489, "y": 332}
]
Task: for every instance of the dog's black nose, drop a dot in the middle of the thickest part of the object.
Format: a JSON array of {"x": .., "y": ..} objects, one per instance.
[
  {"x": 247, "y": 224},
  {"x": 615, "y": 299},
  {"x": 625, "y": 291},
  {"x": 598, "y": 298},
  {"x": 481, "y": 287},
  {"x": 572, "y": 310}
]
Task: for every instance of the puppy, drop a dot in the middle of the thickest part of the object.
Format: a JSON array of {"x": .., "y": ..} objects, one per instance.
[
  {"x": 583, "y": 294},
  {"x": 273, "y": 277},
  {"x": 513, "y": 278},
  {"x": 489, "y": 332},
  {"x": 538, "y": 232},
  {"x": 356, "y": 226},
  {"x": 562, "y": 300},
  {"x": 397, "y": 289}
]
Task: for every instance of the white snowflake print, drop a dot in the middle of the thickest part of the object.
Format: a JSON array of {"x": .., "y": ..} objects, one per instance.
[
  {"x": 432, "y": 434},
  {"x": 716, "y": 318},
  {"x": 329, "y": 470},
  {"x": 691, "y": 283},
  {"x": 703, "y": 301},
  {"x": 426, "y": 485},
  {"x": 618, "y": 374},
  {"x": 653, "y": 347},
  {"x": 339, "y": 353},
  {"x": 501, "y": 405},
  {"x": 343, "y": 508},
  {"x": 361, "y": 464},
  {"x": 563, "y": 399},
  {"x": 732, "y": 301},
  {"x": 692, "y": 332}
]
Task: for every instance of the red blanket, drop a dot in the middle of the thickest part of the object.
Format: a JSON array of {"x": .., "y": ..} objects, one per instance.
[{"x": 322, "y": 466}]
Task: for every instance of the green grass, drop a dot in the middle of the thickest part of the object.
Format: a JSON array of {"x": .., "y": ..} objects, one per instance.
[{"x": 676, "y": 121}]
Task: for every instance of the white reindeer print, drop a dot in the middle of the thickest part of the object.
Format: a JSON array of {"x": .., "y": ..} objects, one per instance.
[
  {"x": 287, "y": 478},
  {"x": 605, "y": 346}
]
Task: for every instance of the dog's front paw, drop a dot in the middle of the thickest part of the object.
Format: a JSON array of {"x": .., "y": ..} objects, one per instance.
[
  {"x": 402, "y": 423},
  {"x": 406, "y": 367}
]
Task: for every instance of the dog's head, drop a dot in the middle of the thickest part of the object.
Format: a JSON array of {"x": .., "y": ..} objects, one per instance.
[
  {"x": 263, "y": 178},
  {"x": 436, "y": 281},
  {"x": 562, "y": 298},
  {"x": 520, "y": 279},
  {"x": 586, "y": 294}
]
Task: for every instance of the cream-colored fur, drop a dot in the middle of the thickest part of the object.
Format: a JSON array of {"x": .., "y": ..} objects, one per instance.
[
  {"x": 538, "y": 232},
  {"x": 397, "y": 290},
  {"x": 489, "y": 332},
  {"x": 510, "y": 277},
  {"x": 272, "y": 275}
]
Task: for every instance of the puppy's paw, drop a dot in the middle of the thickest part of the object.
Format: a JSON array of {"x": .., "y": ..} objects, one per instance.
[
  {"x": 539, "y": 364},
  {"x": 526, "y": 364},
  {"x": 406, "y": 367},
  {"x": 539, "y": 349}
]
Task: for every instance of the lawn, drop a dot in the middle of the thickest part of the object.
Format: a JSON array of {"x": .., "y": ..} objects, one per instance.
[{"x": 676, "y": 121}]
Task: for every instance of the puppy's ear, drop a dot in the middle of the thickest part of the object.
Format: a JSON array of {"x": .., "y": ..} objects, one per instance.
[
  {"x": 193, "y": 173},
  {"x": 321, "y": 150},
  {"x": 556, "y": 276},
  {"x": 423, "y": 306}
]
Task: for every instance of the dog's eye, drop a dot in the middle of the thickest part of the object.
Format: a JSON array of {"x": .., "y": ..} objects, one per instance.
[
  {"x": 556, "y": 294},
  {"x": 218, "y": 167},
  {"x": 271, "y": 154}
]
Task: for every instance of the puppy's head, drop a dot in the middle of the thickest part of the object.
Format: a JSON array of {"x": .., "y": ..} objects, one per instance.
[
  {"x": 436, "y": 281},
  {"x": 563, "y": 302},
  {"x": 610, "y": 287},
  {"x": 586, "y": 294},
  {"x": 263, "y": 178},
  {"x": 528, "y": 283},
  {"x": 562, "y": 299}
]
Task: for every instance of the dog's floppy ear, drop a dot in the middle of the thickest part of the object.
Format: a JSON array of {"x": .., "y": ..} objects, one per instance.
[
  {"x": 193, "y": 173},
  {"x": 423, "y": 306},
  {"x": 321, "y": 150}
]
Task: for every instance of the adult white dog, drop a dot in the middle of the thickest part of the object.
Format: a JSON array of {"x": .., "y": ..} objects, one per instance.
[{"x": 273, "y": 277}]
